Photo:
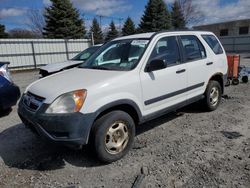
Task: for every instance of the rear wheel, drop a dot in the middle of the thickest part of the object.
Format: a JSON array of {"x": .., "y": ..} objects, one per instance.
[
  {"x": 113, "y": 136},
  {"x": 212, "y": 95},
  {"x": 235, "y": 81},
  {"x": 245, "y": 79}
]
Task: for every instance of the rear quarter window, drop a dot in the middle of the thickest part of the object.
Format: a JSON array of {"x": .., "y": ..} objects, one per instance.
[{"x": 213, "y": 43}]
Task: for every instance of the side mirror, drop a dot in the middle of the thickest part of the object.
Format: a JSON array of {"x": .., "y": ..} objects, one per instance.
[{"x": 154, "y": 65}]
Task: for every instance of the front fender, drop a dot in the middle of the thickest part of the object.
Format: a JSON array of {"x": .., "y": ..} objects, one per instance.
[{"x": 93, "y": 104}]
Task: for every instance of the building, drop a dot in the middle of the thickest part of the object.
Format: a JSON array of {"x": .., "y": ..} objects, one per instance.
[
  {"x": 231, "y": 28},
  {"x": 234, "y": 35}
]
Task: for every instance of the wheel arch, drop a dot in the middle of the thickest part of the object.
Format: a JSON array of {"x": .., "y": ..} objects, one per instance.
[
  {"x": 125, "y": 105},
  {"x": 219, "y": 78}
]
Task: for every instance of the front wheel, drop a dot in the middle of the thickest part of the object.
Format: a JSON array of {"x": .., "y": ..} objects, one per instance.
[
  {"x": 113, "y": 136},
  {"x": 212, "y": 95}
]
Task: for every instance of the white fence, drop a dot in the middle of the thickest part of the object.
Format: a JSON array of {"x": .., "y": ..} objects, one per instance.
[
  {"x": 33, "y": 53},
  {"x": 237, "y": 44}
]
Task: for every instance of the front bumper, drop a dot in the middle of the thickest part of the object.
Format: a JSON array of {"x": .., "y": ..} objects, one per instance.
[
  {"x": 68, "y": 129},
  {"x": 9, "y": 95}
]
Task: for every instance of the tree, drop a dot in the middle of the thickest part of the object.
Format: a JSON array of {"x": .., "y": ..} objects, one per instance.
[
  {"x": 3, "y": 34},
  {"x": 21, "y": 33},
  {"x": 128, "y": 27},
  {"x": 113, "y": 33},
  {"x": 156, "y": 17},
  {"x": 36, "y": 22},
  {"x": 178, "y": 20},
  {"x": 63, "y": 21},
  {"x": 192, "y": 14},
  {"x": 97, "y": 32}
]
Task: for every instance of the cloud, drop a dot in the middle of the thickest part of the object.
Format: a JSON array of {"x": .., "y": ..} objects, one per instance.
[
  {"x": 214, "y": 11},
  {"x": 46, "y": 2},
  {"x": 103, "y": 7},
  {"x": 169, "y": 1},
  {"x": 11, "y": 12}
]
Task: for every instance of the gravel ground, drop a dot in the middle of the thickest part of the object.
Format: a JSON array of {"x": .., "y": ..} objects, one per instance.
[{"x": 190, "y": 148}]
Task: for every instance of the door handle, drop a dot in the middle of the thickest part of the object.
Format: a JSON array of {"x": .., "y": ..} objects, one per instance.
[
  {"x": 180, "y": 71},
  {"x": 210, "y": 63}
]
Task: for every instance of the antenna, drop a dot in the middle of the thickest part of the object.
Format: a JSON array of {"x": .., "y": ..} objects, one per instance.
[{"x": 100, "y": 19}]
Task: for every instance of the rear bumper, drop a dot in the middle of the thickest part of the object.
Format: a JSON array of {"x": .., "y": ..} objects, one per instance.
[
  {"x": 9, "y": 95},
  {"x": 67, "y": 129}
]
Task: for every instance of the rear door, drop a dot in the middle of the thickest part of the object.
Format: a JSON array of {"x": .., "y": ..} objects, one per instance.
[
  {"x": 195, "y": 58},
  {"x": 166, "y": 87}
]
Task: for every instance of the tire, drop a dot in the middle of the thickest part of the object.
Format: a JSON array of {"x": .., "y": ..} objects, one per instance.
[
  {"x": 119, "y": 126},
  {"x": 228, "y": 83},
  {"x": 245, "y": 79},
  {"x": 212, "y": 102},
  {"x": 5, "y": 111},
  {"x": 235, "y": 81}
]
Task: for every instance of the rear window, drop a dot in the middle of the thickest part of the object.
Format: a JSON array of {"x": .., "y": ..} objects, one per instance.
[{"x": 213, "y": 43}]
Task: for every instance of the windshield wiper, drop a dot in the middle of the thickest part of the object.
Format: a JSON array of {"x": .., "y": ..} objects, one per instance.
[{"x": 96, "y": 67}]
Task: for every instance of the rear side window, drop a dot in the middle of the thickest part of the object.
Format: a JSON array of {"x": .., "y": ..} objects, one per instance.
[
  {"x": 213, "y": 43},
  {"x": 193, "y": 48}
]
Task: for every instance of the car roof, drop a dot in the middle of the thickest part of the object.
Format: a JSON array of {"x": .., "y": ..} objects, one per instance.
[
  {"x": 152, "y": 34},
  {"x": 141, "y": 35}
]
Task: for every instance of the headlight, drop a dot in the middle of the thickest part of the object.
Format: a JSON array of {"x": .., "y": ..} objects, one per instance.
[
  {"x": 4, "y": 71},
  {"x": 68, "y": 102}
]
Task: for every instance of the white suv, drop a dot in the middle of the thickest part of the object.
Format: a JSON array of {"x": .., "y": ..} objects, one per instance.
[{"x": 128, "y": 81}]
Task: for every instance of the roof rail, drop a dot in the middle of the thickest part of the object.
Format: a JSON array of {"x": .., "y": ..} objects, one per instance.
[
  {"x": 173, "y": 30},
  {"x": 176, "y": 30}
]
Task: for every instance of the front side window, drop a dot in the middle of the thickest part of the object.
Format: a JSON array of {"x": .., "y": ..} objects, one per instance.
[
  {"x": 118, "y": 55},
  {"x": 167, "y": 50},
  {"x": 193, "y": 49},
  {"x": 213, "y": 43}
]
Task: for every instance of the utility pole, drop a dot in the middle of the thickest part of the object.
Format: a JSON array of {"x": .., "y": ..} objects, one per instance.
[
  {"x": 120, "y": 23},
  {"x": 92, "y": 38},
  {"x": 100, "y": 20}
]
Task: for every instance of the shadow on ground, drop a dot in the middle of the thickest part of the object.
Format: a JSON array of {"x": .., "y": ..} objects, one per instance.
[{"x": 20, "y": 148}]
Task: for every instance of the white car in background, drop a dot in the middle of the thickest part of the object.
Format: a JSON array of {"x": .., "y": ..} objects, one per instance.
[{"x": 74, "y": 62}]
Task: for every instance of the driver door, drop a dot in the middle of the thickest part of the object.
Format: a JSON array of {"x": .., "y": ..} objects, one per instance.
[{"x": 166, "y": 87}]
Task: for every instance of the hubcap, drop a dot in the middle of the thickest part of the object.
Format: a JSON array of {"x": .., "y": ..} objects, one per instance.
[
  {"x": 214, "y": 96},
  {"x": 117, "y": 137}
]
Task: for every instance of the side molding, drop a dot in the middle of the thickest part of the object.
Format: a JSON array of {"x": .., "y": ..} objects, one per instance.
[{"x": 169, "y": 95}]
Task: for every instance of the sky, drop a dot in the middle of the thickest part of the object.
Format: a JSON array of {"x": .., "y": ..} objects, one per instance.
[{"x": 13, "y": 13}]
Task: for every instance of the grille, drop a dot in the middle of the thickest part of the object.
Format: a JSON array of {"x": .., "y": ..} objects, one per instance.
[{"x": 32, "y": 101}]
